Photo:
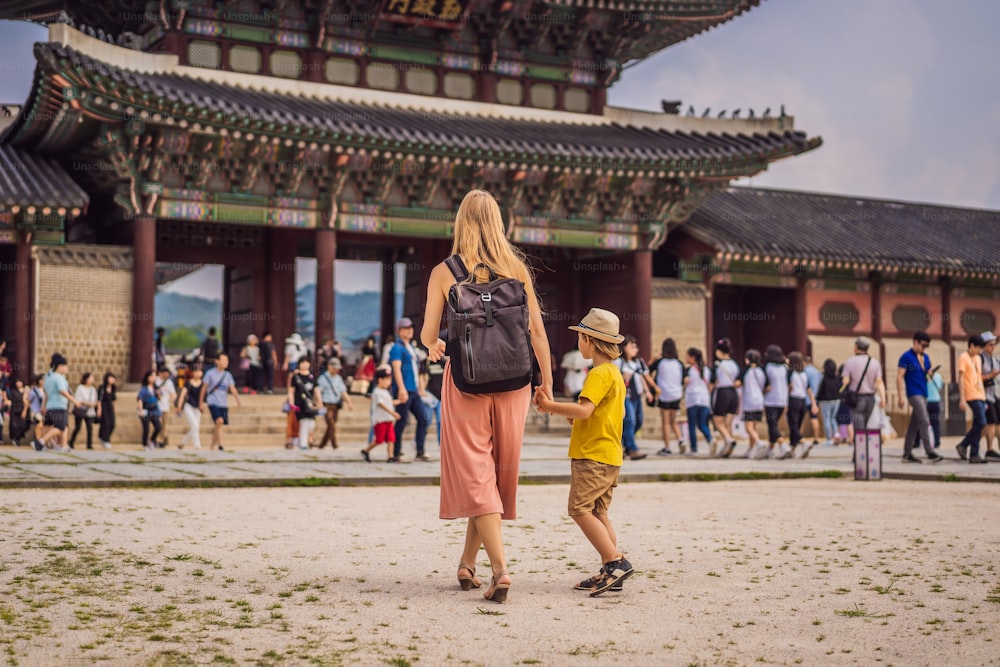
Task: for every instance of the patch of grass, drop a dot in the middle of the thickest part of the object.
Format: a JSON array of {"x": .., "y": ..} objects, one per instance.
[
  {"x": 994, "y": 596},
  {"x": 489, "y": 612},
  {"x": 857, "y": 612},
  {"x": 309, "y": 482},
  {"x": 748, "y": 475},
  {"x": 7, "y": 615},
  {"x": 180, "y": 557},
  {"x": 399, "y": 662}
]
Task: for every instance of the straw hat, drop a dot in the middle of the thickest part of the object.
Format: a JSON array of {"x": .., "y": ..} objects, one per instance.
[{"x": 600, "y": 324}]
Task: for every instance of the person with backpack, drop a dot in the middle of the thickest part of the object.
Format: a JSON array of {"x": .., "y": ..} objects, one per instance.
[
  {"x": 991, "y": 370},
  {"x": 668, "y": 373},
  {"x": 635, "y": 373},
  {"x": 725, "y": 399},
  {"x": 486, "y": 388},
  {"x": 149, "y": 410},
  {"x": 828, "y": 397},
  {"x": 210, "y": 348}
]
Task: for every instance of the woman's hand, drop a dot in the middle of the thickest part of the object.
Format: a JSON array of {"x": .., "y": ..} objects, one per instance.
[{"x": 437, "y": 351}]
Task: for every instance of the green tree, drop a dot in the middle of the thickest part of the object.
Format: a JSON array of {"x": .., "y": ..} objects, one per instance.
[{"x": 182, "y": 339}]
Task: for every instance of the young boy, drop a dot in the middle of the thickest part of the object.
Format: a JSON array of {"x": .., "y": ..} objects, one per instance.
[
  {"x": 384, "y": 416},
  {"x": 595, "y": 445}
]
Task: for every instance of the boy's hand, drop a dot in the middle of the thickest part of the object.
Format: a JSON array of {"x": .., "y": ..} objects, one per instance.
[
  {"x": 396, "y": 415},
  {"x": 437, "y": 351}
]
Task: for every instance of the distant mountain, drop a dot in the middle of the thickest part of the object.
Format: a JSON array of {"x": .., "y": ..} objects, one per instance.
[
  {"x": 181, "y": 310},
  {"x": 357, "y": 314}
]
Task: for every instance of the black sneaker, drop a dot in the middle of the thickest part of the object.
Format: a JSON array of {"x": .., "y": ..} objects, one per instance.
[
  {"x": 595, "y": 581},
  {"x": 976, "y": 459},
  {"x": 910, "y": 458},
  {"x": 38, "y": 445},
  {"x": 961, "y": 449},
  {"x": 664, "y": 452},
  {"x": 992, "y": 455},
  {"x": 935, "y": 458},
  {"x": 364, "y": 455},
  {"x": 612, "y": 573}
]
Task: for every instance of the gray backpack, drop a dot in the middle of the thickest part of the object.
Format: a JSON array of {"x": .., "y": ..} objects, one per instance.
[{"x": 488, "y": 341}]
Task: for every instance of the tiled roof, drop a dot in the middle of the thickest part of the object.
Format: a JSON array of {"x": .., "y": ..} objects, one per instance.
[
  {"x": 675, "y": 288},
  {"x": 30, "y": 180},
  {"x": 610, "y": 146},
  {"x": 788, "y": 225}
]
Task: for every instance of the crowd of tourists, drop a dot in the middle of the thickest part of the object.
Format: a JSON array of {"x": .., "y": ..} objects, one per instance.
[{"x": 838, "y": 400}]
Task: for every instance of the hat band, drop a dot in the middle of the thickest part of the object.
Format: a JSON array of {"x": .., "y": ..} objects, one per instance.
[{"x": 603, "y": 333}]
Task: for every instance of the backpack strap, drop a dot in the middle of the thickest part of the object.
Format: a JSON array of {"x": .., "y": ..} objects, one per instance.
[{"x": 457, "y": 267}]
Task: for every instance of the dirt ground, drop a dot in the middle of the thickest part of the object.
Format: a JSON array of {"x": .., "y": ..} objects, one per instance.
[{"x": 810, "y": 572}]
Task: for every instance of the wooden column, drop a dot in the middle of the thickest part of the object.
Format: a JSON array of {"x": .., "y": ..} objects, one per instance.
[
  {"x": 23, "y": 358},
  {"x": 642, "y": 304},
  {"x": 876, "y": 287},
  {"x": 143, "y": 295},
  {"x": 706, "y": 279},
  {"x": 946, "y": 332},
  {"x": 801, "y": 337},
  {"x": 326, "y": 254},
  {"x": 387, "y": 318},
  {"x": 280, "y": 273}
]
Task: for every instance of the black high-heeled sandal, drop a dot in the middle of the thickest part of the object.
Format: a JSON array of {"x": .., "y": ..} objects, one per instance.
[
  {"x": 470, "y": 582},
  {"x": 497, "y": 592}
]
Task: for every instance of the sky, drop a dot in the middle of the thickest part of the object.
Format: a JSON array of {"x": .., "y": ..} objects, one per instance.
[{"x": 904, "y": 93}]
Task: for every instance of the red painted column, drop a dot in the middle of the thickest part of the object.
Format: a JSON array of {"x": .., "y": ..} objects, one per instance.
[
  {"x": 946, "y": 332},
  {"x": 706, "y": 278},
  {"x": 326, "y": 254},
  {"x": 280, "y": 272},
  {"x": 143, "y": 295},
  {"x": 801, "y": 338},
  {"x": 643, "y": 301},
  {"x": 23, "y": 280}
]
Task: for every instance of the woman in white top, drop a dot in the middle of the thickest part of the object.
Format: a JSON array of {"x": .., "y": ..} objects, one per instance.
[
  {"x": 697, "y": 397},
  {"x": 798, "y": 393},
  {"x": 638, "y": 384},
  {"x": 776, "y": 399},
  {"x": 753, "y": 382},
  {"x": 86, "y": 396},
  {"x": 725, "y": 399},
  {"x": 668, "y": 373}
]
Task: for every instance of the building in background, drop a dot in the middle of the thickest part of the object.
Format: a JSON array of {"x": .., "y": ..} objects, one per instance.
[{"x": 251, "y": 132}]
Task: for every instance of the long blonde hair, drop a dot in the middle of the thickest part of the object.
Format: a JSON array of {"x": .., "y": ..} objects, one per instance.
[{"x": 479, "y": 238}]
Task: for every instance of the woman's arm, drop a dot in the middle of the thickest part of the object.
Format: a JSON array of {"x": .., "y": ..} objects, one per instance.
[
  {"x": 437, "y": 288},
  {"x": 539, "y": 339}
]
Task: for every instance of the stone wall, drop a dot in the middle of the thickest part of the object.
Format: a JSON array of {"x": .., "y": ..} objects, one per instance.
[
  {"x": 678, "y": 312},
  {"x": 83, "y": 308}
]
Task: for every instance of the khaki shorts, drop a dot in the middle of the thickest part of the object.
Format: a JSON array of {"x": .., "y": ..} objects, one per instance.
[{"x": 590, "y": 486}]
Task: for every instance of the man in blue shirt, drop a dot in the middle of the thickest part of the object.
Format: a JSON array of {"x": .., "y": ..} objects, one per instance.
[
  {"x": 216, "y": 386},
  {"x": 914, "y": 366},
  {"x": 403, "y": 360},
  {"x": 57, "y": 401}
]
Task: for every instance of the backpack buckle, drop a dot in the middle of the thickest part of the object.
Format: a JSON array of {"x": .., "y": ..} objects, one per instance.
[{"x": 487, "y": 296}]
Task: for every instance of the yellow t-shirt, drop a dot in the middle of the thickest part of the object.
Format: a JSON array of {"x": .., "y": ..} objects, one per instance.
[
  {"x": 599, "y": 436},
  {"x": 971, "y": 370}
]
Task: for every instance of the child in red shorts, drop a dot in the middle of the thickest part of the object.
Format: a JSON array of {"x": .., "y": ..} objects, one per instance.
[{"x": 383, "y": 415}]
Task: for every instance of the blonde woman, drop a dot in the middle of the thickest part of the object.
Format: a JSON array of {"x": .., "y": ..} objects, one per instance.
[{"x": 481, "y": 434}]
